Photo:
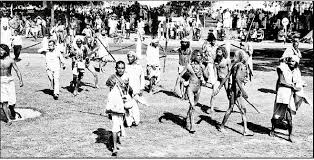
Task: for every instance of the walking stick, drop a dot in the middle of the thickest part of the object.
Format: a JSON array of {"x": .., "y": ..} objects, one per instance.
[
  {"x": 247, "y": 35},
  {"x": 166, "y": 45},
  {"x": 252, "y": 105},
  {"x": 106, "y": 49}
]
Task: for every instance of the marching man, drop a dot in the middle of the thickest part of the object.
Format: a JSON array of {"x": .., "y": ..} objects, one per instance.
[
  {"x": 137, "y": 83},
  {"x": 54, "y": 60},
  {"x": 153, "y": 63},
  {"x": 8, "y": 95}
]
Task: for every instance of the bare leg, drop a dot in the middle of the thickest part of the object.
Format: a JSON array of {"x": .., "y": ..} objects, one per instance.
[
  {"x": 289, "y": 119},
  {"x": 227, "y": 114},
  {"x": 212, "y": 97},
  {"x": 115, "y": 140},
  {"x": 246, "y": 132},
  {"x": 190, "y": 116},
  {"x": 12, "y": 111},
  {"x": 273, "y": 122},
  {"x": 75, "y": 84},
  {"x": 6, "y": 112},
  {"x": 93, "y": 71}
]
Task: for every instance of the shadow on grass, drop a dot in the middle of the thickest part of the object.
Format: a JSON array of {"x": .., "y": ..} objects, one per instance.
[
  {"x": 46, "y": 91},
  {"x": 168, "y": 93},
  {"x": 265, "y": 90},
  {"x": 214, "y": 123},
  {"x": 70, "y": 89},
  {"x": 105, "y": 137},
  {"x": 257, "y": 128},
  {"x": 177, "y": 119},
  {"x": 209, "y": 120},
  {"x": 205, "y": 108},
  {"x": 3, "y": 117}
]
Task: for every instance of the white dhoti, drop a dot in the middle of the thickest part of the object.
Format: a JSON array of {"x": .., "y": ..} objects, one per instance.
[
  {"x": 133, "y": 114},
  {"x": 8, "y": 90}
]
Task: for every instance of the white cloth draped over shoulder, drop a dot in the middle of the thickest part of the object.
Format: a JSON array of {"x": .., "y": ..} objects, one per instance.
[{"x": 115, "y": 101}]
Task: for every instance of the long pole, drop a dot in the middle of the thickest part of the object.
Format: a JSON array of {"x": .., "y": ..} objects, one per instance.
[{"x": 247, "y": 35}]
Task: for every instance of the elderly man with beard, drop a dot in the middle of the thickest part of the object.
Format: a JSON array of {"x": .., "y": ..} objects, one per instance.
[
  {"x": 222, "y": 66},
  {"x": 137, "y": 83},
  {"x": 8, "y": 95},
  {"x": 153, "y": 62},
  {"x": 185, "y": 52},
  {"x": 196, "y": 75},
  {"x": 240, "y": 75}
]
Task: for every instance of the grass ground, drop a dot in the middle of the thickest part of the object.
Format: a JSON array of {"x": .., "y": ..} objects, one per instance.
[{"x": 71, "y": 128}]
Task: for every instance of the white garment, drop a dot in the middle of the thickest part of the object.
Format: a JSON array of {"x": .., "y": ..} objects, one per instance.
[
  {"x": 136, "y": 77},
  {"x": 98, "y": 23},
  {"x": 139, "y": 48},
  {"x": 17, "y": 40},
  {"x": 87, "y": 32},
  {"x": 284, "y": 94},
  {"x": 115, "y": 104},
  {"x": 5, "y": 37},
  {"x": 152, "y": 55},
  {"x": 291, "y": 51},
  {"x": 53, "y": 60}
]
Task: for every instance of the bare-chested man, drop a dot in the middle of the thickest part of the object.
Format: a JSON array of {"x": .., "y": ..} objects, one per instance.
[
  {"x": 79, "y": 56},
  {"x": 222, "y": 64},
  {"x": 196, "y": 75},
  {"x": 240, "y": 75},
  {"x": 184, "y": 58},
  {"x": 8, "y": 95}
]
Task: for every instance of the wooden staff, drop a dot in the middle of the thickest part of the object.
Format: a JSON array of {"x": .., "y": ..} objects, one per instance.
[
  {"x": 247, "y": 35},
  {"x": 106, "y": 49}
]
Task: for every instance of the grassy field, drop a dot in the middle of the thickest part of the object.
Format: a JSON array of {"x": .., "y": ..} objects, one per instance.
[{"x": 71, "y": 128}]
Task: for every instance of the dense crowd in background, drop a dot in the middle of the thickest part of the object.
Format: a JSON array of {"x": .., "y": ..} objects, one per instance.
[{"x": 157, "y": 21}]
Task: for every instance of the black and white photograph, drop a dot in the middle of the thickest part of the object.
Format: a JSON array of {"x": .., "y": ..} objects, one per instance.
[{"x": 156, "y": 79}]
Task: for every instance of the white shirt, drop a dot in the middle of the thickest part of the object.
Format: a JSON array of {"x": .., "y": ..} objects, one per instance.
[
  {"x": 87, "y": 32},
  {"x": 17, "y": 40},
  {"x": 136, "y": 77},
  {"x": 127, "y": 25},
  {"x": 98, "y": 22},
  {"x": 53, "y": 60},
  {"x": 152, "y": 55}
]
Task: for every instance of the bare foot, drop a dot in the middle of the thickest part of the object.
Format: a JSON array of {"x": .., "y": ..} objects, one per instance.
[
  {"x": 222, "y": 130},
  {"x": 114, "y": 153},
  {"x": 248, "y": 133},
  {"x": 290, "y": 140},
  {"x": 9, "y": 123},
  {"x": 271, "y": 134}
]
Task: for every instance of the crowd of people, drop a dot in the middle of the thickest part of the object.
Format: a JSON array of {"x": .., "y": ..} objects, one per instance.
[{"x": 86, "y": 44}]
